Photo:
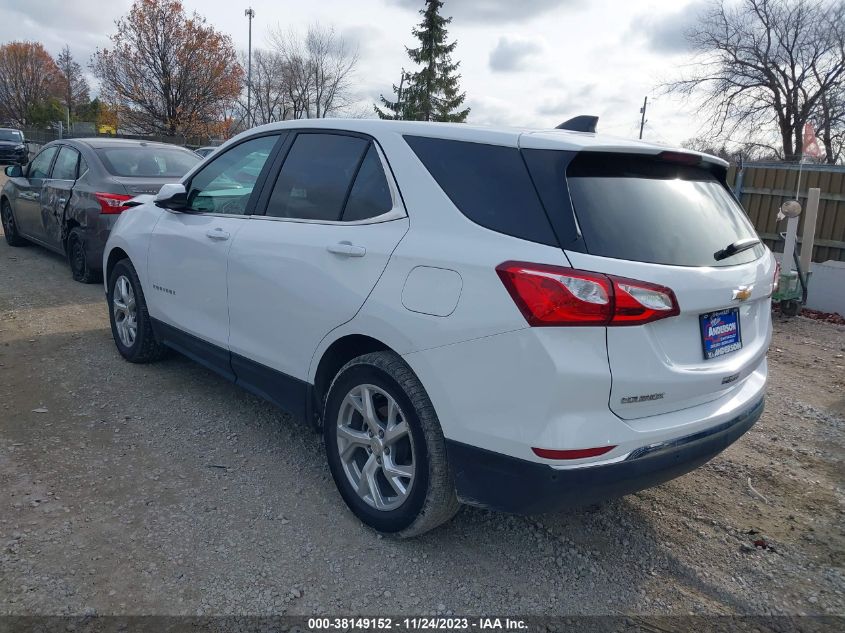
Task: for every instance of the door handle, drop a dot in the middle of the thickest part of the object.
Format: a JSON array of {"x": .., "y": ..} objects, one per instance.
[
  {"x": 347, "y": 249},
  {"x": 217, "y": 234}
]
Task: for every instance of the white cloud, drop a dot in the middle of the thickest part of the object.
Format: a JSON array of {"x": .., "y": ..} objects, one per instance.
[{"x": 513, "y": 54}]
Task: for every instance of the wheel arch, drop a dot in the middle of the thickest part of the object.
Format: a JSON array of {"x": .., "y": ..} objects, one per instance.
[
  {"x": 336, "y": 355},
  {"x": 115, "y": 255}
]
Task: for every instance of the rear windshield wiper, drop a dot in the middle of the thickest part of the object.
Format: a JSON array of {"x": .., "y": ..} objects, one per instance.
[{"x": 736, "y": 247}]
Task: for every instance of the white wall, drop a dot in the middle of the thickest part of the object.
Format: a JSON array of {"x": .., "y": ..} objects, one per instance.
[{"x": 826, "y": 290}]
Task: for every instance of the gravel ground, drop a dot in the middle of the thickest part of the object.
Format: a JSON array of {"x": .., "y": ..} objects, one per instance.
[{"x": 163, "y": 489}]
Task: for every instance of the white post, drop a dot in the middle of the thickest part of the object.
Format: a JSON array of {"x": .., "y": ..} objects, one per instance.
[
  {"x": 809, "y": 233},
  {"x": 786, "y": 262}
]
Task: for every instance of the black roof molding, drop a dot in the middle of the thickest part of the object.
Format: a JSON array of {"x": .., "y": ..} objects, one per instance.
[{"x": 583, "y": 123}]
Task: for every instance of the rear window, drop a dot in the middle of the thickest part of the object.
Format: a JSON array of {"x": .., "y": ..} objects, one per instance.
[
  {"x": 147, "y": 161},
  {"x": 489, "y": 184},
  {"x": 642, "y": 209}
]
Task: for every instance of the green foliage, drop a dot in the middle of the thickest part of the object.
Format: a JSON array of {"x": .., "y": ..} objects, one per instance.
[
  {"x": 433, "y": 92},
  {"x": 46, "y": 112}
]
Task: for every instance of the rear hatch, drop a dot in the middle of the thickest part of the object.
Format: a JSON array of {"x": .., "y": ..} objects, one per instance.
[{"x": 662, "y": 218}]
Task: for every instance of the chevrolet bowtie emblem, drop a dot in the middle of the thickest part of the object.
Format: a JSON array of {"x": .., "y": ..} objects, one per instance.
[{"x": 742, "y": 293}]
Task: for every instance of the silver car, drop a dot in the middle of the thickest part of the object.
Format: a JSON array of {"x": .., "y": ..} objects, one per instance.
[{"x": 69, "y": 196}]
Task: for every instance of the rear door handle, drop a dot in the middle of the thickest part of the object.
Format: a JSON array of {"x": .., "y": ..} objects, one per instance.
[
  {"x": 347, "y": 249},
  {"x": 217, "y": 234}
]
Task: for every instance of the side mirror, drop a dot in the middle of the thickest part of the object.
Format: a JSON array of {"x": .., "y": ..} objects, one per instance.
[
  {"x": 14, "y": 171},
  {"x": 172, "y": 196}
]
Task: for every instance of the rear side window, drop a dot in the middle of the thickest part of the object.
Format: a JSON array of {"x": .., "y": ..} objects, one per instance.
[
  {"x": 642, "y": 209},
  {"x": 489, "y": 184},
  {"x": 316, "y": 177},
  {"x": 65, "y": 167},
  {"x": 370, "y": 195}
]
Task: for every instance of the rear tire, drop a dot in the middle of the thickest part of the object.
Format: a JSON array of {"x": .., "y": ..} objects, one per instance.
[
  {"x": 10, "y": 229},
  {"x": 78, "y": 258},
  {"x": 131, "y": 326},
  {"x": 395, "y": 445}
]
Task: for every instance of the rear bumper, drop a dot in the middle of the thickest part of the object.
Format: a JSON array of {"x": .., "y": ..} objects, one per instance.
[{"x": 500, "y": 482}]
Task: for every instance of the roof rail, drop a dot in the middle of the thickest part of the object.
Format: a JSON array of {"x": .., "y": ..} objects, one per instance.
[{"x": 583, "y": 123}]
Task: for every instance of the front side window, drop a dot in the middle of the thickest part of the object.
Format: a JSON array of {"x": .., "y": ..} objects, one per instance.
[
  {"x": 65, "y": 167},
  {"x": 40, "y": 166},
  {"x": 316, "y": 177},
  {"x": 225, "y": 185}
]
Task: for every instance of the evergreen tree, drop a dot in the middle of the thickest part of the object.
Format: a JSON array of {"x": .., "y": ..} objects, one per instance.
[{"x": 432, "y": 93}]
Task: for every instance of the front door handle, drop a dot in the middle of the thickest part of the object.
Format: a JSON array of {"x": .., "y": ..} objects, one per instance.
[
  {"x": 347, "y": 249},
  {"x": 217, "y": 234}
]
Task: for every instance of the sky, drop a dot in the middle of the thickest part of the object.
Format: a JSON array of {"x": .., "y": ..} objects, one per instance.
[{"x": 530, "y": 63}]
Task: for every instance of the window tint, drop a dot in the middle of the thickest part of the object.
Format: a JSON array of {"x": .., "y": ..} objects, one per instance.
[
  {"x": 148, "y": 161},
  {"x": 11, "y": 135},
  {"x": 225, "y": 184},
  {"x": 370, "y": 195},
  {"x": 642, "y": 209},
  {"x": 40, "y": 166},
  {"x": 316, "y": 175},
  {"x": 65, "y": 167},
  {"x": 488, "y": 183}
]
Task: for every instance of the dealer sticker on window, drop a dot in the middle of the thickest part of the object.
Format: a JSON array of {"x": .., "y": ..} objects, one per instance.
[{"x": 720, "y": 332}]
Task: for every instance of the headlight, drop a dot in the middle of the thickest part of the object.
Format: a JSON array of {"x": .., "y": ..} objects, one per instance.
[{"x": 20, "y": 147}]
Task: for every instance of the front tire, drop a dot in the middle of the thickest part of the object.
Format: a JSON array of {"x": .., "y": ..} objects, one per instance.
[
  {"x": 10, "y": 229},
  {"x": 131, "y": 326},
  {"x": 385, "y": 447},
  {"x": 78, "y": 258}
]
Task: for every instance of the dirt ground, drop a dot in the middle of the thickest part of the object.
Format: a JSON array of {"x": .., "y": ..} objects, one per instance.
[{"x": 163, "y": 489}]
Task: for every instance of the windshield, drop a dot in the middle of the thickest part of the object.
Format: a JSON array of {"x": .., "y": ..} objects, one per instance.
[
  {"x": 641, "y": 209},
  {"x": 147, "y": 161},
  {"x": 11, "y": 135}
]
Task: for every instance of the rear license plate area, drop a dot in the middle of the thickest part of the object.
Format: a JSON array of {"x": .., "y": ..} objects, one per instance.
[{"x": 720, "y": 332}]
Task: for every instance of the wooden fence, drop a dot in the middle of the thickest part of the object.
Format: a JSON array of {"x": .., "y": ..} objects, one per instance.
[{"x": 763, "y": 187}]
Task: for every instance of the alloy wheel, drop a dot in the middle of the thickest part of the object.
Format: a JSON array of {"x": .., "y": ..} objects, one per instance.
[
  {"x": 125, "y": 311},
  {"x": 376, "y": 448}
]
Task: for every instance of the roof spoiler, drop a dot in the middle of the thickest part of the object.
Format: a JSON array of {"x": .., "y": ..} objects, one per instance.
[{"x": 583, "y": 123}]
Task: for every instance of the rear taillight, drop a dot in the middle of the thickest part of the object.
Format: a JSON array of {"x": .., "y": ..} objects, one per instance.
[
  {"x": 555, "y": 296},
  {"x": 111, "y": 203}
]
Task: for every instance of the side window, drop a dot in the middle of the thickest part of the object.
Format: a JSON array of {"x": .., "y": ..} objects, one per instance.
[
  {"x": 489, "y": 184},
  {"x": 65, "y": 167},
  {"x": 225, "y": 184},
  {"x": 83, "y": 167},
  {"x": 316, "y": 176},
  {"x": 370, "y": 195},
  {"x": 40, "y": 166}
]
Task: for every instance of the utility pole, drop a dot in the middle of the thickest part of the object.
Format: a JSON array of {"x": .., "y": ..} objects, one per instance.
[
  {"x": 399, "y": 113},
  {"x": 642, "y": 118},
  {"x": 250, "y": 14}
]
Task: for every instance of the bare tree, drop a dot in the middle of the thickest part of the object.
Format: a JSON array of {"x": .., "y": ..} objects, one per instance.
[
  {"x": 270, "y": 101},
  {"x": 169, "y": 72},
  {"x": 74, "y": 85},
  {"x": 319, "y": 68},
  {"x": 765, "y": 64},
  {"x": 28, "y": 79}
]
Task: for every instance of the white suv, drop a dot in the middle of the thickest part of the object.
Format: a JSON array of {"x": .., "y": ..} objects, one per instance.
[{"x": 520, "y": 320}]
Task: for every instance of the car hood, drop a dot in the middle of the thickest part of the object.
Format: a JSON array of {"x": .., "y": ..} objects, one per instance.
[{"x": 10, "y": 143}]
